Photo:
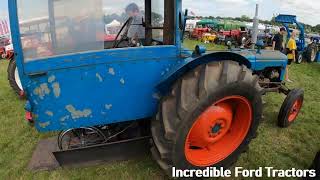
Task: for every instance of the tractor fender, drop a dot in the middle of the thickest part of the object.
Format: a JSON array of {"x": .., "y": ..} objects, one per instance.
[{"x": 188, "y": 64}]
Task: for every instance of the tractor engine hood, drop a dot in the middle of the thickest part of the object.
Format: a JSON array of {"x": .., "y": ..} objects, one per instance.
[{"x": 263, "y": 55}]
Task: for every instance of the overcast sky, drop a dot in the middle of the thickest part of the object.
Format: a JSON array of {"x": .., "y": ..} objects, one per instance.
[{"x": 307, "y": 10}]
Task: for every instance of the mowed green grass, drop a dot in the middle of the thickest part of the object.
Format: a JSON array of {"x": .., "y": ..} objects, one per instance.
[
  {"x": 191, "y": 44},
  {"x": 294, "y": 147}
]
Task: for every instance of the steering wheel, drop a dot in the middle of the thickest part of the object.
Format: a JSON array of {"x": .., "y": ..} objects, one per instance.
[{"x": 124, "y": 37}]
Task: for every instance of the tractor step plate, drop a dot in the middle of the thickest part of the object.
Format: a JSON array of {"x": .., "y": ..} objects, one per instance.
[{"x": 47, "y": 157}]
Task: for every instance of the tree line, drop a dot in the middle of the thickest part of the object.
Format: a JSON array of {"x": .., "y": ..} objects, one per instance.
[{"x": 245, "y": 18}]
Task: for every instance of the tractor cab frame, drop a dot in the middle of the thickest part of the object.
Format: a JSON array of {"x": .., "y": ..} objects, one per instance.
[
  {"x": 120, "y": 70},
  {"x": 201, "y": 109}
]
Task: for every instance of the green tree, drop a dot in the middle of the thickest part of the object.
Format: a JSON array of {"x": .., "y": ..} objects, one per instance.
[{"x": 245, "y": 18}]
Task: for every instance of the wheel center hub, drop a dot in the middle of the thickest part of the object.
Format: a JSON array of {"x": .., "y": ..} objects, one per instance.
[{"x": 216, "y": 128}]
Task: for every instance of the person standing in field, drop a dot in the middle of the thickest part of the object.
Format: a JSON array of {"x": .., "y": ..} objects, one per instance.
[
  {"x": 277, "y": 41},
  {"x": 291, "y": 49}
]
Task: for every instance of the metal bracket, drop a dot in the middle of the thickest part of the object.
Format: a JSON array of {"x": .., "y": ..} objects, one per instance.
[
  {"x": 47, "y": 157},
  {"x": 279, "y": 87}
]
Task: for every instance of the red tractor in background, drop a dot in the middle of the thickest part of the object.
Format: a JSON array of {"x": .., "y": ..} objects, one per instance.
[
  {"x": 234, "y": 36},
  {"x": 198, "y": 32},
  {"x": 7, "y": 52},
  {"x": 4, "y": 42}
]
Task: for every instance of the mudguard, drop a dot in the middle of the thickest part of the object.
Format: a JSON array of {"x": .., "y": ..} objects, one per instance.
[{"x": 251, "y": 58}]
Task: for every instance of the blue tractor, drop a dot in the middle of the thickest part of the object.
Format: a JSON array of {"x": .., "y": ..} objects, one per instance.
[
  {"x": 315, "y": 39},
  {"x": 198, "y": 109},
  {"x": 304, "y": 50}
]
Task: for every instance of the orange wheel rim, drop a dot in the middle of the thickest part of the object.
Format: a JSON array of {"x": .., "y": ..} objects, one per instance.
[
  {"x": 218, "y": 131},
  {"x": 295, "y": 109}
]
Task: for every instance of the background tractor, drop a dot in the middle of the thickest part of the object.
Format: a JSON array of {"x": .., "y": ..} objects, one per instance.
[
  {"x": 232, "y": 31},
  {"x": 304, "y": 50},
  {"x": 4, "y": 41},
  {"x": 233, "y": 36},
  {"x": 190, "y": 25},
  {"x": 198, "y": 109},
  {"x": 315, "y": 39},
  {"x": 203, "y": 27},
  {"x": 197, "y": 33}
]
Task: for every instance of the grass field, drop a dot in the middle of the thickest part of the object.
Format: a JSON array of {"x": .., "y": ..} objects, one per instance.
[
  {"x": 280, "y": 148},
  {"x": 190, "y": 44}
]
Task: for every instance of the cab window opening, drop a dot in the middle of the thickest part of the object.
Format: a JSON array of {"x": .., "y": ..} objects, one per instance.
[{"x": 58, "y": 27}]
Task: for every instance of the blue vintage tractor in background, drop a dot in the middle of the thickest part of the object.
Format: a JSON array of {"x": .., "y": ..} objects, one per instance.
[
  {"x": 304, "y": 50},
  {"x": 198, "y": 109},
  {"x": 316, "y": 40}
]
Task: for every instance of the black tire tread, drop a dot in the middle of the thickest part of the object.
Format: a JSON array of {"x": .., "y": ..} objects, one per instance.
[
  {"x": 187, "y": 91},
  {"x": 286, "y": 106},
  {"x": 11, "y": 76},
  {"x": 309, "y": 52}
]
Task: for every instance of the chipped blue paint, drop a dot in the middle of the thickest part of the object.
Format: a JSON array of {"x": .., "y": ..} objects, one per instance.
[{"x": 110, "y": 86}]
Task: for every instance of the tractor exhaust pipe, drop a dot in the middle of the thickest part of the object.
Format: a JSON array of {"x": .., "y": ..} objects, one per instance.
[{"x": 255, "y": 27}]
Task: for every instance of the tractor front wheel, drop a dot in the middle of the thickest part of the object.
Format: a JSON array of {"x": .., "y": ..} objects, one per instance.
[
  {"x": 290, "y": 108},
  {"x": 13, "y": 77},
  {"x": 300, "y": 58},
  {"x": 208, "y": 119},
  {"x": 311, "y": 53}
]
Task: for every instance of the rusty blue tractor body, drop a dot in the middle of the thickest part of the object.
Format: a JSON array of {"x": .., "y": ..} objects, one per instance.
[{"x": 74, "y": 76}]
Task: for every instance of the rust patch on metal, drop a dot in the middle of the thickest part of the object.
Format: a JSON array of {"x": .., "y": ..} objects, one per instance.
[
  {"x": 122, "y": 81},
  {"x": 112, "y": 72},
  {"x": 51, "y": 79},
  {"x": 64, "y": 118},
  {"x": 76, "y": 114},
  {"x": 56, "y": 89},
  {"x": 49, "y": 113},
  {"x": 44, "y": 125},
  {"x": 99, "y": 77},
  {"x": 42, "y": 90},
  {"x": 108, "y": 106},
  {"x": 103, "y": 113}
]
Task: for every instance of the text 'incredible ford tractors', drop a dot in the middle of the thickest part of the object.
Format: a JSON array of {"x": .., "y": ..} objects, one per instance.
[{"x": 199, "y": 109}]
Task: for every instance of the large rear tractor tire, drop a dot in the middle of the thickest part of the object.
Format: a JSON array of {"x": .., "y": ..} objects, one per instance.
[
  {"x": 13, "y": 77},
  {"x": 208, "y": 119},
  {"x": 311, "y": 53}
]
